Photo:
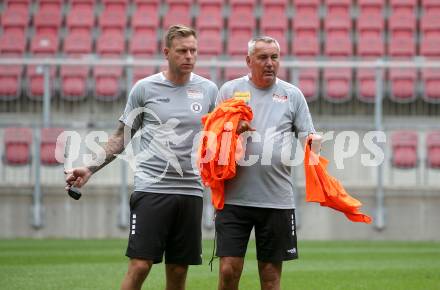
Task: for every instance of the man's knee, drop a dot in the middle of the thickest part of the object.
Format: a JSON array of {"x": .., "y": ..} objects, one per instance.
[
  {"x": 230, "y": 269},
  {"x": 139, "y": 267},
  {"x": 177, "y": 271},
  {"x": 270, "y": 275}
]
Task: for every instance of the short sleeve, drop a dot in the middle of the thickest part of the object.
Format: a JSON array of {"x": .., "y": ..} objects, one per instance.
[
  {"x": 303, "y": 124},
  {"x": 213, "y": 93},
  {"x": 132, "y": 116}
]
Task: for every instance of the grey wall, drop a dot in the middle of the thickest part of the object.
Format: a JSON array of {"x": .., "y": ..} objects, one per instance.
[{"x": 411, "y": 214}]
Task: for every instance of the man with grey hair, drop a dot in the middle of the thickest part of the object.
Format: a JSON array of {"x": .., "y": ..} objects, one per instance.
[
  {"x": 166, "y": 205},
  {"x": 260, "y": 196}
]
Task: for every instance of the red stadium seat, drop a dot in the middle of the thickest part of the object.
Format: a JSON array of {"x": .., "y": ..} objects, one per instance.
[
  {"x": 274, "y": 17},
  {"x": 366, "y": 81},
  {"x": 371, "y": 7},
  {"x": 431, "y": 6},
  {"x": 431, "y": 83},
  {"x": 402, "y": 25},
  {"x": 17, "y": 4},
  {"x": 403, "y": 6},
  {"x": 338, "y": 7},
  {"x": 113, "y": 21},
  {"x": 433, "y": 150},
  {"x": 10, "y": 82},
  {"x": 143, "y": 43},
  {"x": 12, "y": 43},
  {"x": 74, "y": 82},
  {"x": 48, "y": 20},
  {"x": 308, "y": 82},
  {"x": 35, "y": 82},
  {"x": 48, "y": 145},
  {"x": 145, "y": 19},
  {"x": 337, "y": 84},
  {"x": 50, "y": 4},
  {"x": 210, "y": 14},
  {"x": 370, "y": 25},
  {"x": 339, "y": 46},
  {"x": 78, "y": 43},
  {"x": 15, "y": 20},
  {"x": 337, "y": 26},
  {"x": 429, "y": 47},
  {"x": 237, "y": 42},
  {"x": 17, "y": 146},
  {"x": 242, "y": 17},
  {"x": 371, "y": 47},
  {"x": 305, "y": 46},
  {"x": 110, "y": 44},
  {"x": 74, "y": 78},
  {"x": 401, "y": 47},
  {"x": 178, "y": 12},
  {"x": 430, "y": 25},
  {"x": 306, "y": 25},
  {"x": 306, "y": 7},
  {"x": 46, "y": 44},
  {"x": 403, "y": 85},
  {"x": 404, "y": 149},
  {"x": 81, "y": 19},
  {"x": 210, "y": 42},
  {"x": 107, "y": 83}
]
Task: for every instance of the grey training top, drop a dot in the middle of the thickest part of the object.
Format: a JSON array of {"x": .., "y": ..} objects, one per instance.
[
  {"x": 168, "y": 117},
  {"x": 280, "y": 113}
]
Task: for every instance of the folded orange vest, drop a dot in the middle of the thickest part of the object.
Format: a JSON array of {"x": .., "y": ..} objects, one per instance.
[
  {"x": 328, "y": 191},
  {"x": 217, "y": 155}
]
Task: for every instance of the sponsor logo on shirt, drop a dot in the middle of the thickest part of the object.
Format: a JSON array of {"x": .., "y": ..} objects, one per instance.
[
  {"x": 163, "y": 100},
  {"x": 245, "y": 96},
  {"x": 196, "y": 107},
  {"x": 279, "y": 98},
  {"x": 194, "y": 94}
]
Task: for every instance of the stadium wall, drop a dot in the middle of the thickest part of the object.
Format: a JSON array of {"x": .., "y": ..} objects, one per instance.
[{"x": 411, "y": 213}]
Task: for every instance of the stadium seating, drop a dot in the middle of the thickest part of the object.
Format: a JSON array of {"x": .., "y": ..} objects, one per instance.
[
  {"x": 210, "y": 14},
  {"x": 330, "y": 29},
  {"x": 48, "y": 145},
  {"x": 17, "y": 145},
  {"x": 179, "y": 11},
  {"x": 74, "y": 78},
  {"x": 433, "y": 150},
  {"x": 404, "y": 149},
  {"x": 12, "y": 44}
]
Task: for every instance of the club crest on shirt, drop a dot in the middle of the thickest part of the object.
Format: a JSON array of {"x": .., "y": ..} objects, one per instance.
[
  {"x": 194, "y": 94},
  {"x": 196, "y": 107},
  {"x": 244, "y": 96},
  {"x": 279, "y": 98}
]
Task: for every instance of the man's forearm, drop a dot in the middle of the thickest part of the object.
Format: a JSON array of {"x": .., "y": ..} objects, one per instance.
[{"x": 112, "y": 148}]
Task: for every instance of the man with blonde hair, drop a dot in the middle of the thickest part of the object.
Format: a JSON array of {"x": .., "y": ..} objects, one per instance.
[{"x": 166, "y": 205}]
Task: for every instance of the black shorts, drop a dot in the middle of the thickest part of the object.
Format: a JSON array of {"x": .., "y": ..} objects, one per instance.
[
  {"x": 275, "y": 232},
  {"x": 166, "y": 223}
]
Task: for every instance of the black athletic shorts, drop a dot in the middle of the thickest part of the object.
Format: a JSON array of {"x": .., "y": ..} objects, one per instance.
[
  {"x": 165, "y": 223},
  {"x": 275, "y": 233}
]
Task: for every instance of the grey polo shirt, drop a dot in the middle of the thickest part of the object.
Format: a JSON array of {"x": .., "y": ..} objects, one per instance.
[
  {"x": 280, "y": 113},
  {"x": 168, "y": 118}
]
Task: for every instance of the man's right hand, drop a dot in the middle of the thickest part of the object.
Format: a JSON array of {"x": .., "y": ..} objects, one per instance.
[
  {"x": 244, "y": 126},
  {"x": 77, "y": 176}
]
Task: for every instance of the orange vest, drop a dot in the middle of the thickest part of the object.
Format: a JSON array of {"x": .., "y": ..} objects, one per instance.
[
  {"x": 217, "y": 154},
  {"x": 327, "y": 190}
]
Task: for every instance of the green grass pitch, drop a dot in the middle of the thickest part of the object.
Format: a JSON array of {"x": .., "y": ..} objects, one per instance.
[{"x": 101, "y": 264}]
